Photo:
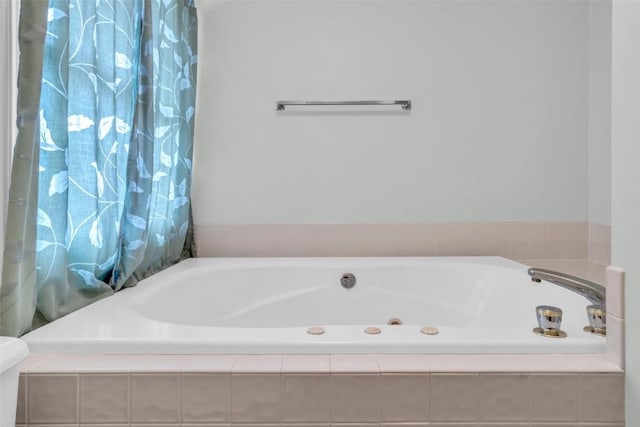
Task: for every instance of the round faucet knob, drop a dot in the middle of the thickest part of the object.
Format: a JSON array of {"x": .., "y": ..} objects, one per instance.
[
  {"x": 597, "y": 315},
  {"x": 549, "y": 320}
]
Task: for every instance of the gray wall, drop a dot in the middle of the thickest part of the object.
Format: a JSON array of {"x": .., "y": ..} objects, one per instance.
[
  {"x": 625, "y": 196},
  {"x": 499, "y": 129},
  {"x": 600, "y": 111}
]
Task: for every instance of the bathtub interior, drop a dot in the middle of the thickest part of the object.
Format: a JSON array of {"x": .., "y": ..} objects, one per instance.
[{"x": 448, "y": 292}]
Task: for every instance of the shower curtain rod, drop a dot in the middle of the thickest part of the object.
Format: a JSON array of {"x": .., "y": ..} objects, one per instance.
[{"x": 405, "y": 104}]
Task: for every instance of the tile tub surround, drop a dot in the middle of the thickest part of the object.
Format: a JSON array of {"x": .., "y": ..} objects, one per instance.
[
  {"x": 321, "y": 390},
  {"x": 335, "y": 390},
  {"x": 600, "y": 243},
  {"x": 517, "y": 240}
]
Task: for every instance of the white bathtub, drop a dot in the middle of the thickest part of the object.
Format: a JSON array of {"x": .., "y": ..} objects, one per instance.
[{"x": 261, "y": 306}]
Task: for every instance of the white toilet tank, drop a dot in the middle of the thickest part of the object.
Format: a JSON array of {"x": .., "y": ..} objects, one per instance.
[{"x": 12, "y": 352}]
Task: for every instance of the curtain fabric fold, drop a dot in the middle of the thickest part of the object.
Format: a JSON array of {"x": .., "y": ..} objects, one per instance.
[{"x": 114, "y": 132}]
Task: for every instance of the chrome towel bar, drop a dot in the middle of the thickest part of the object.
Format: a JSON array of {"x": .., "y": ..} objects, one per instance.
[{"x": 405, "y": 104}]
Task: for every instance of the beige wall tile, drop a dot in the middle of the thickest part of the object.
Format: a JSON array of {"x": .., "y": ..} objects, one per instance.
[
  {"x": 355, "y": 425},
  {"x": 58, "y": 363},
  {"x": 116, "y": 363},
  {"x": 437, "y": 424},
  {"x": 540, "y": 249},
  {"x": 21, "y": 409},
  {"x": 284, "y": 240},
  {"x": 492, "y": 239},
  {"x": 454, "y": 238},
  {"x": 454, "y": 397},
  {"x": 307, "y": 241},
  {"x": 577, "y": 250},
  {"x": 112, "y": 425},
  {"x": 341, "y": 240},
  {"x": 151, "y": 425},
  {"x": 600, "y": 243},
  {"x": 564, "y": 240},
  {"x": 404, "y": 397},
  {"x": 600, "y": 425},
  {"x": 212, "y": 425},
  {"x": 218, "y": 363},
  {"x": 577, "y": 231},
  {"x": 207, "y": 240},
  {"x": 498, "y": 363},
  {"x": 614, "y": 279},
  {"x": 222, "y": 240},
  {"x": 406, "y": 425},
  {"x": 601, "y": 398},
  {"x": 493, "y": 231},
  {"x": 307, "y": 425},
  {"x": 558, "y": 425},
  {"x": 559, "y": 249},
  {"x": 450, "y": 363},
  {"x": 402, "y": 363},
  {"x": 555, "y": 397},
  {"x": 416, "y": 239},
  {"x": 55, "y": 425},
  {"x": 597, "y": 232},
  {"x": 578, "y": 240},
  {"x": 206, "y": 397},
  {"x": 255, "y": 398},
  {"x": 258, "y": 364},
  {"x": 104, "y": 398},
  {"x": 521, "y": 231},
  {"x": 504, "y": 425},
  {"x": 306, "y": 398},
  {"x": 355, "y": 397},
  {"x": 349, "y": 363},
  {"x": 378, "y": 240},
  {"x": 447, "y": 247},
  {"x": 306, "y": 363},
  {"x": 521, "y": 249},
  {"x": 32, "y": 360},
  {"x": 505, "y": 397},
  {"x": 53, "y": 399},
  {"x": 155, "y": 398},
  {"x": 540, "y": 231},
  {"x": 615, "y": 340},
  {"x": 559, "y": 231}
]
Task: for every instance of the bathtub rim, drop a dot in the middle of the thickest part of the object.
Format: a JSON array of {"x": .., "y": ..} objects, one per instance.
[{"x": 127, "y": 345}]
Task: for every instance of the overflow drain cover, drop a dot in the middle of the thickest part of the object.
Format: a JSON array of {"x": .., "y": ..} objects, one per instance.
[{"x": 348, "y": 280}]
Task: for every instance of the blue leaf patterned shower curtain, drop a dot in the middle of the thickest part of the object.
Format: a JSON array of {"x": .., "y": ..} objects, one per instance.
[{"x": 116, "y": 113}]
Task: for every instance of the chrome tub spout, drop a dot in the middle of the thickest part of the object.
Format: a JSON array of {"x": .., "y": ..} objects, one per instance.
[{"x": 591, "y": 291}]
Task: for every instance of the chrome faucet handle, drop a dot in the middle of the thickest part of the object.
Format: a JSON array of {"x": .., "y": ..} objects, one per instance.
[
  {"x": 549, "y": 321},
  {"x": 597, "y": 315}
]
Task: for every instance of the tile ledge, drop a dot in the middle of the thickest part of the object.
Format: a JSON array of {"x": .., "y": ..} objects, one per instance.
[{"x": 433, "y": 363}]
